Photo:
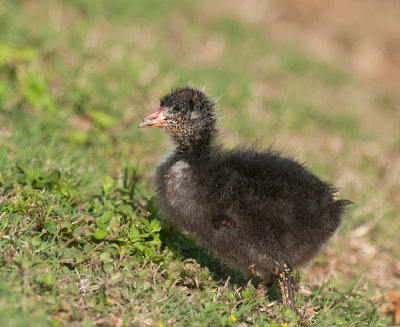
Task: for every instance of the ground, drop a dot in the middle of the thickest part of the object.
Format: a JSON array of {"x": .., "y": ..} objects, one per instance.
[{"x": 81, "y": 240}]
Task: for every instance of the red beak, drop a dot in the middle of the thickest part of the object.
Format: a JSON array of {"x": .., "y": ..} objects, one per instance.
[{"x": 157, "y": 119}]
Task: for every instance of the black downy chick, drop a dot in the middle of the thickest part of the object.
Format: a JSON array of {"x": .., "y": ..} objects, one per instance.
[{"x": 260, "y": 212}]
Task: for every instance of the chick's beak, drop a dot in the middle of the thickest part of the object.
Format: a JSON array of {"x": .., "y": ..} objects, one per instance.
[{"x": 155, "y": 119}]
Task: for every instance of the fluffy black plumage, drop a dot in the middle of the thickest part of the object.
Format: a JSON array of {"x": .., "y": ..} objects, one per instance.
[{"x": 258, "y": 211}]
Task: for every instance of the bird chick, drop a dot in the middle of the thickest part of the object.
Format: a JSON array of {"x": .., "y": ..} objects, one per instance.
[{"x": 257, "y": 210}]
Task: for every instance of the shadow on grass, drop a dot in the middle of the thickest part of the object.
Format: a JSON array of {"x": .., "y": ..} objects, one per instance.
[{"x": 175, "y": 240}]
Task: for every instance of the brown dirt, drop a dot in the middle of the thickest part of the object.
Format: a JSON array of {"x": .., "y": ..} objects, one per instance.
[{"x": 362, "y": 35}]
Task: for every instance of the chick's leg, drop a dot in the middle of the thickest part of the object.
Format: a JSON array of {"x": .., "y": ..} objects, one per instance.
[{"x": 285, "y": 279}]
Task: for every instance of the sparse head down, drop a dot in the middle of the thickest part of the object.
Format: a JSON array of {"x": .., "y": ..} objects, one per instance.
[{"x": 258, "y": 211}]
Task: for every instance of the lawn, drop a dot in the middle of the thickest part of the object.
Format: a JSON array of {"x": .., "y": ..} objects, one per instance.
[{"x": 81, "y": 240}]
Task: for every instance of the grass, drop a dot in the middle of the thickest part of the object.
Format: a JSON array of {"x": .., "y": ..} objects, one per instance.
[{"x": 81, "y": 241}]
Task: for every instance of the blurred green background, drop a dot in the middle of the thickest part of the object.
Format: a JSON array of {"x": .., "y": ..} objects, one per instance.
[{"x": 77, "y": 76}]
